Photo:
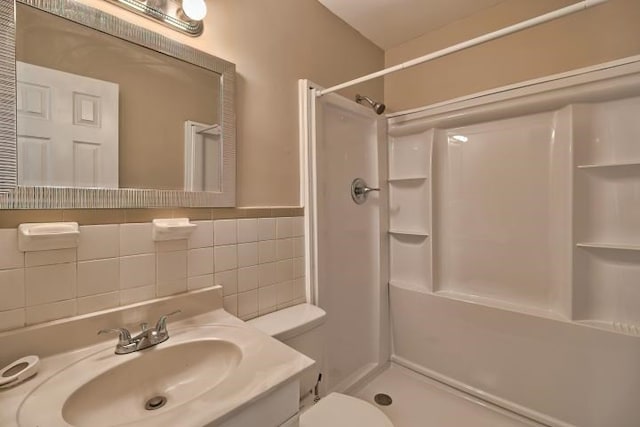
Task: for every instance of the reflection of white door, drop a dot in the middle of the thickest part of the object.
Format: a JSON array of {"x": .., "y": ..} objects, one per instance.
[
  {"x": 203, "y": 154},
  {"x": 67, "y": 129}
]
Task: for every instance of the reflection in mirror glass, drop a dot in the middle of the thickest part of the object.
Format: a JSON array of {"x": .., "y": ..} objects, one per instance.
[{"x": 97, "y": 111}]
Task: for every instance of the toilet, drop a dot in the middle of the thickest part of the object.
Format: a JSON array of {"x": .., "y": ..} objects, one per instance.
[{"x": 300, "y": 327}]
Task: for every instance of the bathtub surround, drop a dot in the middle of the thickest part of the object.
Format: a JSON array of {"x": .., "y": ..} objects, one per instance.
[
  {"x": 259, "y": 262},
  {"x": 513, "y": 243}
]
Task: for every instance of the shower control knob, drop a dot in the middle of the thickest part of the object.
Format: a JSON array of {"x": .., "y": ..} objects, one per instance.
[{"x": 360, "y": 190}]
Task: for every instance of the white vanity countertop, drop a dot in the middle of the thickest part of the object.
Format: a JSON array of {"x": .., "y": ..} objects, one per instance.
[{"x": 265, "y": 365}]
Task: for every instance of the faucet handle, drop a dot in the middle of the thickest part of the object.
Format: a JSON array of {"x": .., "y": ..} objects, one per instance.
[
  {"x": 161, "y": 325},
  {"x": 124, "y": 336}
]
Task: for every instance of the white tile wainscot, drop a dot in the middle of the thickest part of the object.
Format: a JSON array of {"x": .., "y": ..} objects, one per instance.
[{"x": 258, "y": 261}]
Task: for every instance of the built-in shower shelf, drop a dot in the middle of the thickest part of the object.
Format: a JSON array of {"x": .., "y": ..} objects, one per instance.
[
  {"x": 409, "y": 178},
  {"x": 410, "y": 286},
  {"x": 612, "y": 326},
  {"x": 501, "y": 304},
  {"x": 420, "y": 233},
  {"x": 608, "y": 165},
  {"x": 609, "y": 246}
]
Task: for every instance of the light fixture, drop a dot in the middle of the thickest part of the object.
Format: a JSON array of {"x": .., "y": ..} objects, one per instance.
[
  {"x": 194, "y": 9},
  {"x": 182, "y": 15}
]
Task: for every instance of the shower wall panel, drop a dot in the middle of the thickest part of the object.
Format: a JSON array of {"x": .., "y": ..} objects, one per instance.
[
  {"x": 524, "y": 289},
  {"x": 502, "y": 205},
  {"x": 607, "y": 215},
  {"x": 351, "y": 286},
  {"x": 560, "y": 373}
]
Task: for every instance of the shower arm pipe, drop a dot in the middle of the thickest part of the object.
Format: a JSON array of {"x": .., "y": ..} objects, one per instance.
[{"x": 568, "y": 10}]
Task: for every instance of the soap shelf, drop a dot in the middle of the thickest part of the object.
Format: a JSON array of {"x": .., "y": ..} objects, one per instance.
[
  {"x": 606, "y": 256},
  {"x": 624, "y": 247},
  {"x": 172, "y": 229},
  {"x": 501, "y": 304},
  {"x": 612, "y": 326},
  {"x": 48, "y": 236},
  {"x": 410, "y": 286},
  {"x": 409, "y": 178},
  {"x": 410, "y": 232},
  {"x": 410, "y": 210},
  {"x": 608, "y": 165}
]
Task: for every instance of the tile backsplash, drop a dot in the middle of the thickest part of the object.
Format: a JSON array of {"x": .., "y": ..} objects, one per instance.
[{"x": 259, "y": 262}]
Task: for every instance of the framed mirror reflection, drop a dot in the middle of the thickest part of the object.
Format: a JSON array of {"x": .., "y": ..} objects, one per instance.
[{"x": 105, "y": 107}]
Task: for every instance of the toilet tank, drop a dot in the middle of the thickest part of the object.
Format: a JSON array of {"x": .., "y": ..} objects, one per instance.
[{"x": 300, "y": 327}]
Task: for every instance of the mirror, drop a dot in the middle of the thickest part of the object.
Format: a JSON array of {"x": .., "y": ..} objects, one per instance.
[{"x": 103, "y": 104}]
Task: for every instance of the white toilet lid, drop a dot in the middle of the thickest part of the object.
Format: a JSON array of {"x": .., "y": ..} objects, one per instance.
[{"x": 339, "y": 410}]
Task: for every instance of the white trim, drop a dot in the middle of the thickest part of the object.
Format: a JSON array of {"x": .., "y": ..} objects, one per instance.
[
  {"x": 303, "y": 132},
  {"x": 366, "y": 377},
  {"x": 306, "y": 111},
  {"x": 362, "y": 376},
  {"x": 509, "y": 89},
  {"x": 568, "y": 10}
]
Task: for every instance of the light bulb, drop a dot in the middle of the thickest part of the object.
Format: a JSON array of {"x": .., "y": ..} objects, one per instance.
[{"x": 194, "y": 9}]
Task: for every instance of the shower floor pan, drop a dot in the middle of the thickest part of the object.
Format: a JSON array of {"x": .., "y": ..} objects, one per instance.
[{"x": 418, "y": 401}]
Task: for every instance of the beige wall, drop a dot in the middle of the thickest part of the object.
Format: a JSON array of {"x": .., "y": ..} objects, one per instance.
[
  {"x": 603, "y": 33},
  {"x": 273, "y": 44}
]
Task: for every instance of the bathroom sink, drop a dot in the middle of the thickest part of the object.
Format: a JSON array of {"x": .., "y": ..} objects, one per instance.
[
  {"x": 161, "y": 379},
  {"x": 105, "y": 389},
  {"x": 214, "y": 370}
]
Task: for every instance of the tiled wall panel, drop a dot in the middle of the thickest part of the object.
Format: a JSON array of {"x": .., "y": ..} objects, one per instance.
[{"x": 258, "y": 262}]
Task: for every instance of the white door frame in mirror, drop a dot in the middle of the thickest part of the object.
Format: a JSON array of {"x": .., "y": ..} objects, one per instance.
[{"x": 18, "y": 197}]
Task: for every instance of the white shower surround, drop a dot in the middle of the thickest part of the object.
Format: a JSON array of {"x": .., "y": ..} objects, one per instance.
[
  {"x": 518, "y": 331},
  {"x": 347, "y": 269},
  {"x": 555, "y": 356}
]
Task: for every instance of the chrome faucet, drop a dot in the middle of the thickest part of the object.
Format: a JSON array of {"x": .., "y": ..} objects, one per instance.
[{"x": 145, "y": 339}]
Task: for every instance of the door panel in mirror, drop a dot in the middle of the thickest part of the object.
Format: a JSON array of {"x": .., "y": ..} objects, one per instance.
[{"x": 67, "y": 129}]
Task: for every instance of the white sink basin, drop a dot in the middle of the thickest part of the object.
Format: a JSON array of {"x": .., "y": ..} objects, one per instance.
[
  {"x": 206, "y": 373},
  {"x": 214, "y": 371},
  {"x": 164, "y": 376}
]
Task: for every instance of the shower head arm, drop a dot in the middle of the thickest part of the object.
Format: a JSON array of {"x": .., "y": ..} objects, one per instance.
[{"x": 378, "y": 107}]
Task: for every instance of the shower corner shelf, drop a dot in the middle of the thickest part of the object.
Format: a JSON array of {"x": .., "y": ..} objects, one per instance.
[
  {"x": 530, "y": 310},
  {"x": 609, "y": 246},
  {"x": 409, "y": 178},
  {"x": 612, "y": 326},
  {"x": 420, "y": 233},
  {"x": 608, "y": 165},
  {"x": 411, "y": 286},
  {"x": 606, "y": 257}
]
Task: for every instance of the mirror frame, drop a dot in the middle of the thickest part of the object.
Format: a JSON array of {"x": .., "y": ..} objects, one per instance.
[{"x": 13, "y": 196}]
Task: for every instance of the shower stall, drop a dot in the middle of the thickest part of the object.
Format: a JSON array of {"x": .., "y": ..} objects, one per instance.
[{"x": 501, "y": 256}]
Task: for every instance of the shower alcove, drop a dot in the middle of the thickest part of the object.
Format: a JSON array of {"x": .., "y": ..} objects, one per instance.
[
  {"x": 535, "y": 213},
  {"x": 514, "y": 245},
  {"x": 503, "y": 259},
  {"x": 500, "y": 209}
]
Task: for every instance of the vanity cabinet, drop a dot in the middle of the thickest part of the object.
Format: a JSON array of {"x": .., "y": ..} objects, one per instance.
[{"x": 277, "y": 409}]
